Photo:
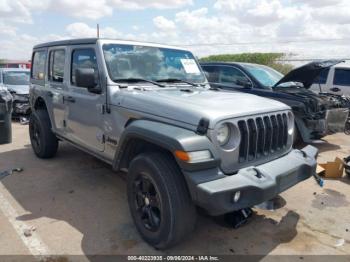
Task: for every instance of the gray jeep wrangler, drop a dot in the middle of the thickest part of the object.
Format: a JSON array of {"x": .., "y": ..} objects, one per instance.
[{"x": 147, "y": 109}]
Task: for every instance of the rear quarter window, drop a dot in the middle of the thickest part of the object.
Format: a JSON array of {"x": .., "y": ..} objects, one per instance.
[{"x": 38, "y": 65}]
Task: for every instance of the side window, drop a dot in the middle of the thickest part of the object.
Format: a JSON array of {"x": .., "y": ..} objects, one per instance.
[
  {"x": 322, "y": 78},
  {"x": 38, "y": 67},
  {"x": 342, "y": 77},
  {"x": 212, "y": 73},
  {"x": 83, "y": 58},
  {"x": 56, "y": 65},
  {"x": 231, "y": 75}
]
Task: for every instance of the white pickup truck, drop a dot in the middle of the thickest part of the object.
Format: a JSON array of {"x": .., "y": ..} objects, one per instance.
[{"x": 334, "y": 80}]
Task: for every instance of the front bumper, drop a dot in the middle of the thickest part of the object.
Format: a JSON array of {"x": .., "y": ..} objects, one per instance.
[
  {"x": 256, "y": 184},
  {"x": 336, "y": 119},
  {"x": 21, "y": 109},
  {"x": 333, "y": 122}
]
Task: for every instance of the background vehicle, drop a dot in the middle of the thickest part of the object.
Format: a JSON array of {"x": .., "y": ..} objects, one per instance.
[
  {"x": 5, "y": 116},
  {"x": 147, "y": 109},
  {"x": 16, "y": 81},
  {"x": 334, "y": 80},
  {"x": 316, "y": 115}
]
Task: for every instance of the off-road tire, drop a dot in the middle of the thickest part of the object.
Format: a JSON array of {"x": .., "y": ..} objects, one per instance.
[
  {"x": 43, "y": 140},
  {"x": 178, "y": 213}
]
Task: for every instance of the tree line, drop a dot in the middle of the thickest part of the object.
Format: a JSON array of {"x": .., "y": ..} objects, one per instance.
[{"x": 268, "y": 59}]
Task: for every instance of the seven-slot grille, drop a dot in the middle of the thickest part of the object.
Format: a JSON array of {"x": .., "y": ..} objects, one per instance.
[{"x": 262, "y": 136}]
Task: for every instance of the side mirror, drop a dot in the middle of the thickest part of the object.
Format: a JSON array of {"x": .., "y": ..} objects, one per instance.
[
  {"x": 335, "y": 89},
  {"x": 85, "y": 77}
]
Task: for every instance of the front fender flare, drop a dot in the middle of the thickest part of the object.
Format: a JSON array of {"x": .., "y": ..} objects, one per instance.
[{"x": 168, "y": 137}]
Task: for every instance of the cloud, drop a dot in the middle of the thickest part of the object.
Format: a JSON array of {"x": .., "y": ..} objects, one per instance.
[
  {"x": 319, "y": 3},
  {"x": 162, "y": 23},
  {"x": 14, "y": 11},
  {"x": 142, "y": 4},
  {"x": 91, "y": 9},
  {"x": 7, "y": 30},
  {"x": 20, "y": 11},
  {"x": 82, "y": 30},
  {"x": 226, "y": 26}
]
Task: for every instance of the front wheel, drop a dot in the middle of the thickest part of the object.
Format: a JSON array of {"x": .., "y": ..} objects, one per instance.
[{"x": 159, "y": 200}]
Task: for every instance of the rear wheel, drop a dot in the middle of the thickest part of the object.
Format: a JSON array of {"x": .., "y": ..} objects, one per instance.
[
  {"x": 159, "y": 200},
  {"x": 43, "y": 140}
]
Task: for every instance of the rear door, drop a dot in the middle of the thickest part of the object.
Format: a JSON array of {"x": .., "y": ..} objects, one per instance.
[{"x": 85, "y": 109}]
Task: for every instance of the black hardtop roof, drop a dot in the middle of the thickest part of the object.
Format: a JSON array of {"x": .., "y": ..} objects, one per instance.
[{"x": 80, "y": 41}]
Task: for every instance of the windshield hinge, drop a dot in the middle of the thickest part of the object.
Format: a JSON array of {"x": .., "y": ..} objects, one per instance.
[{"x": 203, "y": 126}]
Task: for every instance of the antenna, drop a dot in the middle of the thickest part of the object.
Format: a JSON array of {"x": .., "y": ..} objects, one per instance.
[{"x": 98, "y": 30}]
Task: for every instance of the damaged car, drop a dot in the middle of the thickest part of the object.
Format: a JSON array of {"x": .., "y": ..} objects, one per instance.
[
  {"x": 16, "y": 81},
  {"x": 316, "y": 115},
  {"x": 5, "y": 116}
]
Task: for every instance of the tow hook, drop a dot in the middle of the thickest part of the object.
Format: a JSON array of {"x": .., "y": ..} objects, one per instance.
[{"x": 238, "y": 218}]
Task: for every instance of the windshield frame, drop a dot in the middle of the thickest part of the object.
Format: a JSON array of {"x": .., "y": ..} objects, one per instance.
[
  {"x": 201, "y": 76},
  {"x": 3, "y": 77}
]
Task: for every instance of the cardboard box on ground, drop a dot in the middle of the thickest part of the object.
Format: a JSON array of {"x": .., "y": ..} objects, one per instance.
[{"x": 334, "y": 169}]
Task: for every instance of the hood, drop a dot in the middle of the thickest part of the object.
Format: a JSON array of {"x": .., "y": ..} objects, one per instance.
[
  {"x": 308, "y": 73},
  {"x": 18, "y": 89},
  {"x": 191, "y": 105}
]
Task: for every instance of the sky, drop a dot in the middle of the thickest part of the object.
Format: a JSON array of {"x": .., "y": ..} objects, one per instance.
[{"x": 301, "y": 28}]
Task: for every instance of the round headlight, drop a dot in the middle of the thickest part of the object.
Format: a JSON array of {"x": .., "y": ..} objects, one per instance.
[{"x": 223, "y": 134}]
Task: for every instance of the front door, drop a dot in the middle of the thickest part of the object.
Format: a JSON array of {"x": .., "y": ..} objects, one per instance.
[
  {"x": 85, "y": 114},
  {"x": 341, "y": 81}
]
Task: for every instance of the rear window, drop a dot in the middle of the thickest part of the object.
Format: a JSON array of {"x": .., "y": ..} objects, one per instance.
[
  {"x": 38, "y": 67},
  {"x": 342, "y": 77},
  {"x": 322, "y": 78},
  {"x": 16, "y": 78}
]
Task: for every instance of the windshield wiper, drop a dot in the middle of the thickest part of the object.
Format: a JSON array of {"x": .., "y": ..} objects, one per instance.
[
  {"x": 173, "y": 80},
  {"x": 135, "y": 80},
  {"x": 215, "y": 88}
]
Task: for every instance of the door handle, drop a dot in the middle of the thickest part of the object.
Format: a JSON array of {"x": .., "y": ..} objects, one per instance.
[
  {"x": 69, "y": 99},
  {"x": 335, "y": 89}
]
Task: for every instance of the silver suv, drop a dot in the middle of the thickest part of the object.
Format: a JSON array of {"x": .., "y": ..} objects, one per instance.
[{"x": 147, "y": 109}]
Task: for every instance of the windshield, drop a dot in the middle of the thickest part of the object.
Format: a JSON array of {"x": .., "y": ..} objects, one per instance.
[
  {"x": 151, "y": 63},
  {"x": 16, "y": 78},
  {"x": 264, "y": 75}
]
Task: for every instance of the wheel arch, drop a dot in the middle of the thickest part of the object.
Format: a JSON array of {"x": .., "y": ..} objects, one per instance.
[{"x": 39, "y": 104}]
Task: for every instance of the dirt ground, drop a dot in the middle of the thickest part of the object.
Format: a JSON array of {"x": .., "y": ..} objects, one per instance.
[{"x": 75, "y": 205}]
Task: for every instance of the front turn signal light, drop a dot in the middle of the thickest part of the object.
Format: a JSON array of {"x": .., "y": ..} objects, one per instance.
[{"x": 193, "y": 157}]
